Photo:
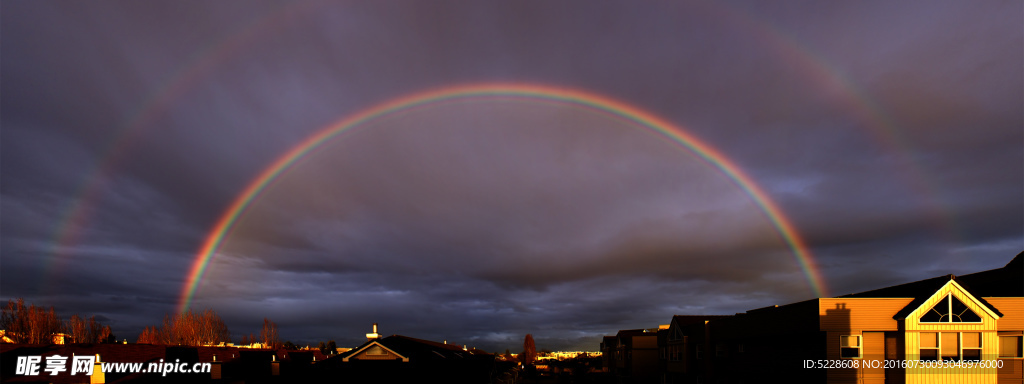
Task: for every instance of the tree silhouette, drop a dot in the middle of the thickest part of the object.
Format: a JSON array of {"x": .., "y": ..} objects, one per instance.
[
  {"x": 529, "y": 350},
  {"x": 31, "y": 324},
  {"x": 149, "y": 335},
  {"x": 188, "y": 328},
  {"x": 268, "y": 335},
  {"x": 36, "y": 325}
]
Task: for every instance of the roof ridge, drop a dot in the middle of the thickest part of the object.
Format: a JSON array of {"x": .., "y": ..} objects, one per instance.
[{"x": 430, "y": 342}]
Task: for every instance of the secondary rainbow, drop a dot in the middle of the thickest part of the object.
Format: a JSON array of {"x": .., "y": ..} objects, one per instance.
[
  {"x": 75, "y": 216},
  {"x": 615, "y": 108}
]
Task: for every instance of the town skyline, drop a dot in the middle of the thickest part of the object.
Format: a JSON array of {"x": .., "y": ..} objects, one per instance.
[{"x": 479, "y": 172}]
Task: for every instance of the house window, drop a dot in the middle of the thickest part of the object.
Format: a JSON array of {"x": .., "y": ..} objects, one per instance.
[
  {"x": 673, "y": 353},
  {"x": 720, "y": 349},
  {"x": 700, "y": 351},
  {"x": 949, "y": 345},
  {"x": 971, "y": 345},
  {"x": 950, "y": 310},
  {"x": 849, "y": 346},
  {"x": 929, "y": 346},
  {"x": 1010, "y": 346}
]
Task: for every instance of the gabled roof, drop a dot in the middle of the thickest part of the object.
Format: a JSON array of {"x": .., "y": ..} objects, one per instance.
[
  {"x": 368, "y": 345},
  {"x": 610, "y": 341},
  {"x": 920, "y": 291},
  {"x": 433, "y": 344},
  {"x": 698, "y": 319},
  {"x": 920, "y": 288},
  {"x": 1007, "y": 281},
  {"x": 918, "y": 301},
  {"x": 417, "y": 349},
  {"x": 630, "y": 332},
  {"x": 625, "y": 336}
]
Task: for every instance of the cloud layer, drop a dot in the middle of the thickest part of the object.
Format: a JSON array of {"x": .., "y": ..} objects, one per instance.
[{"x": 888, "y": 133}]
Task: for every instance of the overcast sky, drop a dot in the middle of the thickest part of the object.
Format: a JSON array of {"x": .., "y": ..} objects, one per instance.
[{"x": 891, "y": 134}]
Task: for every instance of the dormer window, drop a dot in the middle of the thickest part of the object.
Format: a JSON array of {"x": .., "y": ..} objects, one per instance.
[{"x": 951, "y": 310}]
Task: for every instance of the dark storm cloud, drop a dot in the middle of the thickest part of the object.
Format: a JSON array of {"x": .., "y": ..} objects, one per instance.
[{"x": 889, "y": 133}]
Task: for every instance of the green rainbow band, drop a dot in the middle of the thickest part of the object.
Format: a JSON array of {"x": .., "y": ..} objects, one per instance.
[{"x": 619, "y": 109}]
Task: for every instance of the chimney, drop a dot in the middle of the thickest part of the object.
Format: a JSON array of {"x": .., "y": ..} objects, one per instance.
[
  {"x": 374, "y": 335},
  {"x": 98, "y": 377}
]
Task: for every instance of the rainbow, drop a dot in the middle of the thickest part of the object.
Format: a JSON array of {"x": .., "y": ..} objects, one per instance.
[
  {"x": 621, "y": 110},
  {"x": 209, "y": 59},
  {"x": 205, "y": 61},
  {"x": 832, "y": 81}
]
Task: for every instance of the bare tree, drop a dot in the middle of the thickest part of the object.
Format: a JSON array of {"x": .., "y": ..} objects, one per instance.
[
  {"x": 82, "y": 331},
  {"x": 36, "y": 325},
  {"x": 268, "y": 335},
  {"x": 149, "y": 335},
  {"x": 78, "y": 330},
  {"x": 189, "y": 328},
  {"x": 31, "y": 324}
]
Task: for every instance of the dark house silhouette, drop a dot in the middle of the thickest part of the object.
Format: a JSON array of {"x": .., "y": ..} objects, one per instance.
[{"x": 397, "y": 358}]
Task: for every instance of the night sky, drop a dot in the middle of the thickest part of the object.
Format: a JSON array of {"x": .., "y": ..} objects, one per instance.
[{"x": 890, "y": 134}]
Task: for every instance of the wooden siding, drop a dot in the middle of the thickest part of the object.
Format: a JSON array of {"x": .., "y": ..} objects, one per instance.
[
  {"x": 1012, "y": 309},
  {"x": 645, "y": 342},
  {"x": 1012, "y": 372},
  {"x": 873, "y": 350},
  {"x": 832, "y": 349},
  {"x": 860, "y": 313},
  {"x": 952, "y": 376},
  {"x": 989, "y": 344},
  {"x": 989, "y": 340}
]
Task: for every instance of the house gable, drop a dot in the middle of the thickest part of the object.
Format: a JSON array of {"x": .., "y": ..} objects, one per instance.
[
  {"x": 375, "y": 351},
  {"x": 943, "y": 295},
  {"x": 951, "y": 338},
  {"x": 675, "y": 331},
  {"x": 680, "y": 323}
]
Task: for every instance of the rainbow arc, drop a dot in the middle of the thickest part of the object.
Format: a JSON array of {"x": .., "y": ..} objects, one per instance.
[{"x": 617, "y": 109}]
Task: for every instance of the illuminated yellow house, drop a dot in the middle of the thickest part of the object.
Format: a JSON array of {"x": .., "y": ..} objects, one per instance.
[
  {"x": 937, "y": 329},
  {"x": 953, "y": 325},
  {"x": 928, "y": 331}
]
